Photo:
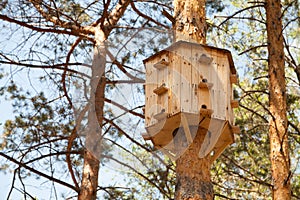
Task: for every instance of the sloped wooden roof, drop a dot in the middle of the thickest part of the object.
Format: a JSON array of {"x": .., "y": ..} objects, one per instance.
[{"x": 179, "y": 44}]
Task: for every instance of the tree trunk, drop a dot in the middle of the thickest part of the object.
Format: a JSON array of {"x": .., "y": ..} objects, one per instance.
[
  {"x": 92, "y": 154},
  {"x": 278, "y": 123},
  {"x": 190, "y": 20},
  {"x": 192, "y": 173}
]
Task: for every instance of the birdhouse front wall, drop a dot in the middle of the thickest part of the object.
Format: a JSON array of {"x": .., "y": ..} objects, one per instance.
[{"x": 188, "y": 78}]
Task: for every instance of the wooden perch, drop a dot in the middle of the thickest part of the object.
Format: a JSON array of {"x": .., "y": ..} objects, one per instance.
[
  {"x": 161, "y": 89},
  {"x": 205, "y": 59},
  {"x": 205, "y": 85},
  {"x": 161, "y": 64}
]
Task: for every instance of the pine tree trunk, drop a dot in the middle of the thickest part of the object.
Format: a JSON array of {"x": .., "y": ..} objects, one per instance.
[
  {"x": 278, "y": 124},
  {"x": 192, "y": 173},
  {"x": 190, "y": 20},
  {"x": 92, "y": 154}
]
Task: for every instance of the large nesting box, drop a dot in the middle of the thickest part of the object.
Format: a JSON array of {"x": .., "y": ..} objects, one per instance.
[{"x": 190, "y": 85}]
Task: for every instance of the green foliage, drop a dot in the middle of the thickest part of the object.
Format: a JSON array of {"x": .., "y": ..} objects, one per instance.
[
  {"x": 214, "y": 6},
  {"x": 43, "y": 121}
]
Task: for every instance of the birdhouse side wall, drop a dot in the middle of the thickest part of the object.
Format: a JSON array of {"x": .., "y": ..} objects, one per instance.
[{"x": 193, "y": 78}]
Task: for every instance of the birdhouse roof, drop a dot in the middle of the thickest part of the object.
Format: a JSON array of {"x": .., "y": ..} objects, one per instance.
[{"x": 181, "y": 44}]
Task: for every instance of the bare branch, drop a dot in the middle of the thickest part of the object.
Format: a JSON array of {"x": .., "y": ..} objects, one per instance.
[
  {"x": 38, "y": 172},
  {"x": 115, "y": 15},
  {"x": 125, "y": 109},
  {"x": 240, "y": 11},
  {"x": 38, "y": 29},
  {"x": 135, "y": 142},
  {"x": 56, "y": 66},
  {"x": 63, "y": 79},
  {"x": 147, "y": 17},
  {"x": 139, "y": 173},
  {"x": 114, "y": 82},
  {"x": 257, "y": 179},
  {"x": 71, "y": 139},
  {"x": 253, "y": 48}
]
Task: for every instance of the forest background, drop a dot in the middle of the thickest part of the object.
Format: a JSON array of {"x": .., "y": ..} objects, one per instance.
[{"x": 46, "y": 70}]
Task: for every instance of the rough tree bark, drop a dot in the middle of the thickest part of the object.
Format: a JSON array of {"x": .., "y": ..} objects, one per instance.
[
  {"x": 278, "y": 123},
  {"x": 92, "y": 154},
  {"x": 193, "y": 181},
  {"x": 190, "y": 22}
]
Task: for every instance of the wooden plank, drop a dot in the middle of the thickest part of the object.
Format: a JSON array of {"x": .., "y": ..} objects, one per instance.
[
  {"x": 213, "y": 78},
  {"x": 223, "y": 85},
  {"x": 151, "y": 98},
  {"x": 176, "y": 84},
  {"x": 186, "y": 129},
  {"x": 229, "y": 97},
  {"x": 146, "y": 136},
  {"x": 212, "y": 136},
  {"x": 185, "y": 77},
  {"x": 206, "y": 112},
  {"x": 224, "y": 140},
  {"x": 204, "y": 98},
  {"x": 219, "y": 100},
  {"x": 169, "y": 83},
  {"x": 196, "y": 76},
  {"x": 160, "y": 116}
]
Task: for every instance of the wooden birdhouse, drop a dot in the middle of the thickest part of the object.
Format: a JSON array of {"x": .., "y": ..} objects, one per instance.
[{"x": 189, "y": 85}]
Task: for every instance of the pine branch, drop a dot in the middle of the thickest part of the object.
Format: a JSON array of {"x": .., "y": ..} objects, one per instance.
[
  {"x": 38, "y": 172},
  {"x": 147, "y": 17},
  {"x": 116, "y": 15},
  {"x": 240, "y": 11},
  {"x": 88, "y": 30},
  {"x": 126, "y": 109},
  {"x": 55, "y": 66},
  {"x": 38, "y": 29}
]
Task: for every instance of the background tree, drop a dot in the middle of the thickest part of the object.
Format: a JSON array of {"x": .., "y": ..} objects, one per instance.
[
  {"x": 58, "y": 37},
  {"x": 246, "y": 164},
  {"x": 279, "y": 146}
]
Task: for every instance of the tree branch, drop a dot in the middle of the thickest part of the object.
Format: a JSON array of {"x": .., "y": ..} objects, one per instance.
[
  {"x": 63, "y": 78},
  {"x": 135, "y": 142},
  {"x": 115, "y": 15},
  {"x": 44, "y": 30},
  {"x": 125, "y": 109},
  {"x": 55, "y": 66},
  {"x": 139, "y": 173},
  {"x": 147, "y": 17},
  {"x": 71, "y": 139},
  {"x": 240, "y": 11},
  {"x": 253, "y": 48},
  {"x": 38, "y": 172},
  {"x": 88, "y": 30}
]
